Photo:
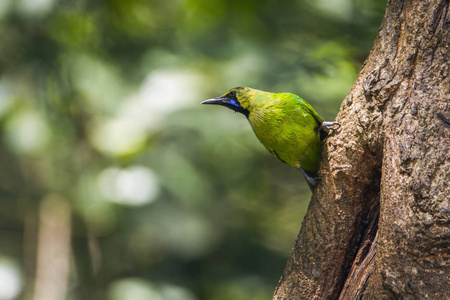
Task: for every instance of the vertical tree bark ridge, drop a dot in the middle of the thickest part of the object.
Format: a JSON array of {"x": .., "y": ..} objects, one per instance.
[{"x": 391, "y": 151}]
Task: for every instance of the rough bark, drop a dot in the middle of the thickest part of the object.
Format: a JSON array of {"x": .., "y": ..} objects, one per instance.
[{"x": 378, "y": 225}]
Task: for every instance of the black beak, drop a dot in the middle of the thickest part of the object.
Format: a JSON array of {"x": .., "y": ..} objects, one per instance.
[
  {"x": 218, "y": 100},
  {"x": 232, "y": 104}
]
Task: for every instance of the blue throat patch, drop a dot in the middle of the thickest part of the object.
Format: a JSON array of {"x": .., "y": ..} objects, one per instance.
[{"x": 233, "y": 102}]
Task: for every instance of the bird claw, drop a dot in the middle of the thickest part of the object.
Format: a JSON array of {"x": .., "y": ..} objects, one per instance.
[
  {"x": 325, "y": 128},
  {"x": 330, "y": 125}
]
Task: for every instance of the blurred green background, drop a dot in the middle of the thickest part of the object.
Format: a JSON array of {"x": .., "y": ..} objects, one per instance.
[{"x": 115, "y": 183}]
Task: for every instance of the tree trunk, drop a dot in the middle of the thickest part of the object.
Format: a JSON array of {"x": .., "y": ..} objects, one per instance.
[{"x": 377, "y": 226}]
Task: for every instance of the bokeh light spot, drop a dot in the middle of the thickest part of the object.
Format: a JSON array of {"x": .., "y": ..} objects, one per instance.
[
  {"x": 10, "y": 280},
  {"x": 136, "y": 185},
  {"x": 133, "y": 288},
  {"x": 27, "y": 132}
]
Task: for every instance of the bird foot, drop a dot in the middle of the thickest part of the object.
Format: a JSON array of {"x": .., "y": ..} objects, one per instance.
[
  {"x": 325, "y": 128},
  {"x": 330, "y": 125}
]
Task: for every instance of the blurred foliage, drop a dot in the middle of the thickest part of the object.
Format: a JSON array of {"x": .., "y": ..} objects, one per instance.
[{"x": 169, "y": 200}]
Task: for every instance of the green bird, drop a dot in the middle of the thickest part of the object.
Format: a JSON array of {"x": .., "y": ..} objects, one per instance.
[{"x": 284, "y": 123}]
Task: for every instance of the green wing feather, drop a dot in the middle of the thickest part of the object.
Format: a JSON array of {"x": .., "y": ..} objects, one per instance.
[{"x": 311, "y": 110}]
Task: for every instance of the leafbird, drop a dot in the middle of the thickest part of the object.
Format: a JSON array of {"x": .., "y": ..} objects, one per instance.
[{"x": 284, "y": 123}]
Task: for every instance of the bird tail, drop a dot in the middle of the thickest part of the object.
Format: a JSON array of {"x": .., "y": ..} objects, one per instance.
[{"x": 311, "y": 178}]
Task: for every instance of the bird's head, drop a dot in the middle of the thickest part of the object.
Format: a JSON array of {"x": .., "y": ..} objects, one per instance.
[{"x": 239, "y": 99}]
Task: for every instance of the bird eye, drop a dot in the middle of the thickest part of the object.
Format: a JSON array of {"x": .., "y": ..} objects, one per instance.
[{"x": 232, "y": 94}]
